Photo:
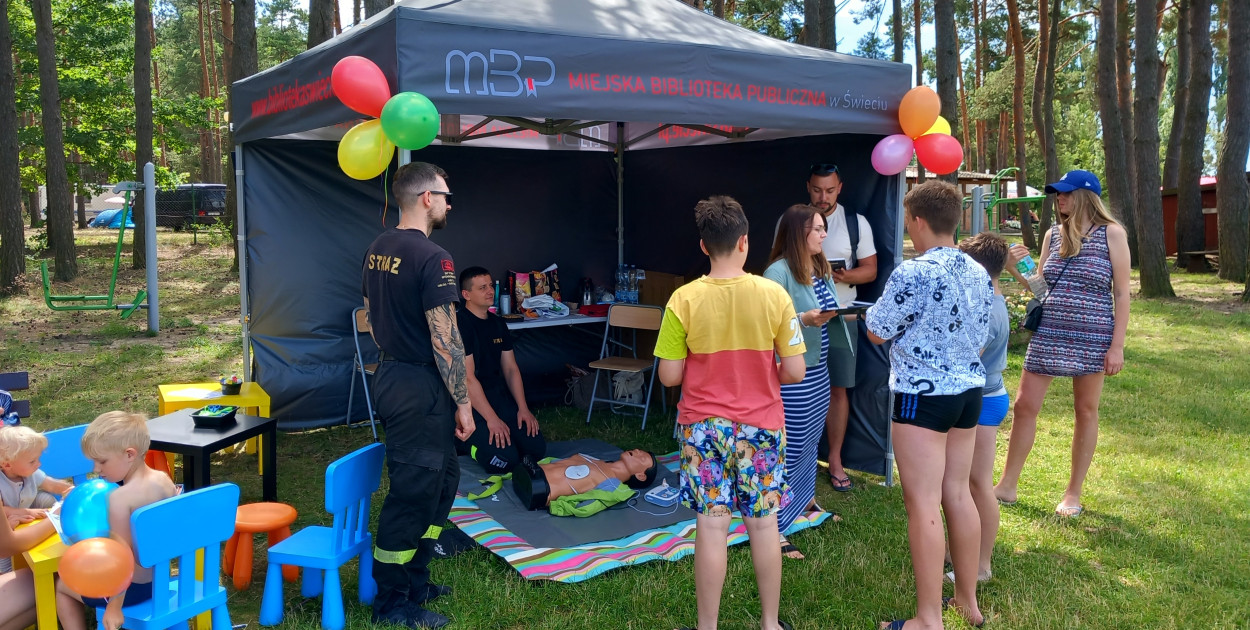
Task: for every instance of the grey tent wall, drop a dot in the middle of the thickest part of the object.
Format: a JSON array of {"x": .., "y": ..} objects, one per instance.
[
  {"x": 663, "y": 185},
  {"x": 308, "y": 226}
]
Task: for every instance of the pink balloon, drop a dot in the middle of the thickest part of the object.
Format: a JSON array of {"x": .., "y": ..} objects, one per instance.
[
  {"x": 939, "y": 153},
  {"x": 360, "y": 84},
  {"x": 892, "y": 154}
]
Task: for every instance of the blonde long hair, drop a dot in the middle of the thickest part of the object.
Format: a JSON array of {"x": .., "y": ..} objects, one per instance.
[{"x": 1085, "y": 207}]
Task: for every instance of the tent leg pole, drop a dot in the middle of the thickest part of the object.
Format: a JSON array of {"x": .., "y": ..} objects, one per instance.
[
  {"x": 241, "y": 220},
  {"x": 889, "y": 448},
  {"x": 620, "y": 193}
]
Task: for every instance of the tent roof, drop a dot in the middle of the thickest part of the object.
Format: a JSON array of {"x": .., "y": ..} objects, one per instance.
[{"x": 651, "y": 61}]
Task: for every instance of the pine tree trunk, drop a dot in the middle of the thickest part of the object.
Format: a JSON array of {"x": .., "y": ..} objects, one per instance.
[
  {"x": 243, "y": 64},
  {"x": 977, "y": 78},
  {"x": 12, "y": 236},
  {"x": 1044, "y": 143},
  {"x": 1232, "y": 192},
  {"x": 1116, "y": 179},
  {"x": 811, "y": 22},
  {"x": 143, "y": 122},
  {"x": 60, "y": 204},
  {"x": 1149, "y": 205},
  {"x": 916, "y": 11},
  {"x": 718, "y": 8},
  {"x": 355, "y": 12},
  {"x": 946, "y": 55},
  {"x": 897, "y": 19},
  {"x": 1017, "y": 108},
  {"x": 1172, "y": 153},
  {"x": 1048, "y": 115},
  {"x": 828, "y": 25},
  {"x": 1124, "y": 82},
  {"x": 374, "y": 7},
  {"x": 32, "y": 204},
  {"x": 206, "y": 151},
  {"x": 1190, "y": 224},
  {"x": 320, "y": 21}
]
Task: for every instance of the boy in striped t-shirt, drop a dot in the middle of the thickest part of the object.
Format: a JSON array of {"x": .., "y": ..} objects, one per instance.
[{"x": 719, "y": 339}]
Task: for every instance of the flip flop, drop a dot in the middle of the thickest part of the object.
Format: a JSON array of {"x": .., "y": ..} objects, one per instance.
[
  {"x": 1006, "y": 503},
  {"x": 1069, "y": 511},
  {"x": 841, "y": 484},
  {"x": 788, "y": 547},
  {"x": 897, "y": 624}
]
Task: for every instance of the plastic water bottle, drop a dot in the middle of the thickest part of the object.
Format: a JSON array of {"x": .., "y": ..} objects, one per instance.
[
  {"x": 1033, "y": 275},
  {"x": 633, "y": 285}
]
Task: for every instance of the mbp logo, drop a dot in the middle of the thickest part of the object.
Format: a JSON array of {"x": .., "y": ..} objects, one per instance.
[{"x": 505, "y": 73}]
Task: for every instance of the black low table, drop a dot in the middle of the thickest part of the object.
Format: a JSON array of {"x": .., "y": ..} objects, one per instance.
[{"x": 176, "y": 433}]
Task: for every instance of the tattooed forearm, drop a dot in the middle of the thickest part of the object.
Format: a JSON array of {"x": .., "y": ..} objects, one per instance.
[{"x": 449, "y": 351}]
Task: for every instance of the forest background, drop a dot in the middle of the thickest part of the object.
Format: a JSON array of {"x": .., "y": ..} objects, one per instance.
[{"x": 1147, "y": 94}]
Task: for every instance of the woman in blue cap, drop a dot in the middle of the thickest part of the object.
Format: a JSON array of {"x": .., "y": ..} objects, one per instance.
[{"x": 1085, "y": 262}]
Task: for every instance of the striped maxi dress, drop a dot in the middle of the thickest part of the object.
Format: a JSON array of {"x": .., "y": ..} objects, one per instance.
[{"x": 806, "y": 404}]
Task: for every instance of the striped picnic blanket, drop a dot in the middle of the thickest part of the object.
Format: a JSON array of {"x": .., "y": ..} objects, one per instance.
[{"x": 576, "y": 564}]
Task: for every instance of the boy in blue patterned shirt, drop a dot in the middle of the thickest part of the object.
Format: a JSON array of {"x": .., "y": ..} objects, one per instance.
[{"x": 936, "y": 309}]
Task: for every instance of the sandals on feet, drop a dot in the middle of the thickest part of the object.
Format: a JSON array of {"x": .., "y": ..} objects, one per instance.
[
  {"x": 1069, "y": 511},
  {"x": 841, "y": 484},
  {"x": 788, "y": 548}
]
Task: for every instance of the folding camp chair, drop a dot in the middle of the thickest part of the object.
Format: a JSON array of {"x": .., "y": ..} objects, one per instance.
[
  {"x": 360, "y": 326},
  {"x": 632, "y": 317}
]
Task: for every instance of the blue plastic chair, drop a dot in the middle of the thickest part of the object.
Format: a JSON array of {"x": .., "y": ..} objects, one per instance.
[
  {"x": 350, "y": 484},
  {"x": 202, "y": 520},
  {"x": 63, "y": 459}
]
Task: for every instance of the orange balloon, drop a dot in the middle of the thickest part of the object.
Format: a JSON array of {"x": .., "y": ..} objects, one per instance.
[
  {"x": 918, "y": 111},
  {"x": 97, "y": 567}
]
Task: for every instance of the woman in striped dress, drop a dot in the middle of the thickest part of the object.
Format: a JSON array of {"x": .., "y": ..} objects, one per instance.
[
  {"x": 800, "y": 267},
  {"x": 1085, "y": 261}
]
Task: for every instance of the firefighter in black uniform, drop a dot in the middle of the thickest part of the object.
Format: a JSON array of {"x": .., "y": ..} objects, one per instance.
[{"x": 420, "y": 393}]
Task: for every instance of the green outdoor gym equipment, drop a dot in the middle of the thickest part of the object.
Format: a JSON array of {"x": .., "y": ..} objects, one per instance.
[
  {"x": 98, "y": 302},
  {"x": 995, "y": 198}
]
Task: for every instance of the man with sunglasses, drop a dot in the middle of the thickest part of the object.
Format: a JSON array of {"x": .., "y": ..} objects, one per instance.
[
  {"x": 420, "y": 392},
  {"x": 855, "y": 248}
]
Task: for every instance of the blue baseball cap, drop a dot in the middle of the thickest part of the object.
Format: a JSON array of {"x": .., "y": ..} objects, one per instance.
[{"x": 1073, "y": 180}]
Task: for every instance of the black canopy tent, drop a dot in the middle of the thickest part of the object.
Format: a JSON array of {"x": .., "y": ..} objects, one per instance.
[{"x": 576, "y": 131}]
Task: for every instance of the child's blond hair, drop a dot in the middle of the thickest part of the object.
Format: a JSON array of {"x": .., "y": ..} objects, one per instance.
[
  {"x": 17, "y": 440},
  {"x": 114, "y": 432}
]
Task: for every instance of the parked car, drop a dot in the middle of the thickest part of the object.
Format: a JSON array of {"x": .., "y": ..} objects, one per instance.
[{"x": 190, "y": 204}]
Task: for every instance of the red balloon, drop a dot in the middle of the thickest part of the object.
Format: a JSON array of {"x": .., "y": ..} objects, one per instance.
[
  {"x": 97, "y": 567},
  {"x": 939, "y": 153},
  {"x": 360, "y": 84}
]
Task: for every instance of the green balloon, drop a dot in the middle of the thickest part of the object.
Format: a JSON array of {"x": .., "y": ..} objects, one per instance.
[{"x": 410, "y": 120}]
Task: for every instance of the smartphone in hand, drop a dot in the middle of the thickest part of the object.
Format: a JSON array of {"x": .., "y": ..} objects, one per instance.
[{"x": 838, "y": 264}]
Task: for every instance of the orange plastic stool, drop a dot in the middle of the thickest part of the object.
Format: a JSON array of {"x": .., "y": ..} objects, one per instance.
[
  {"x": 275, "y": 519},
  {"x": 158, "y": 460}
]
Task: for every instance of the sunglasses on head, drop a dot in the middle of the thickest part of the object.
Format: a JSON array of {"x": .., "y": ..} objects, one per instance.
[{"x": 824, "y": 169}]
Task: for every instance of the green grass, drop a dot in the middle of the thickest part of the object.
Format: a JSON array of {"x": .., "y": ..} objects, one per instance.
[{"x": 1162, "y": 544}]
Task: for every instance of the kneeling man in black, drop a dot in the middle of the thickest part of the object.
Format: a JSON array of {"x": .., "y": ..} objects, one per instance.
[{"x": 506, "y": 429}]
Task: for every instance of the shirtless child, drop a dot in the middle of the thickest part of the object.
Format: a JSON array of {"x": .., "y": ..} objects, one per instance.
[{"x": 117, "y": 441}]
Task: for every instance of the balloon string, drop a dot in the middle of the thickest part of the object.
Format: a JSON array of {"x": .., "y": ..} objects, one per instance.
[{"x": 386, "y": 199}]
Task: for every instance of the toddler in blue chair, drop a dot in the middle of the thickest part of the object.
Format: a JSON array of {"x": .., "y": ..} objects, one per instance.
[
  {"x": 117, "y": 442},
  {"x": 25, "y": 490}
]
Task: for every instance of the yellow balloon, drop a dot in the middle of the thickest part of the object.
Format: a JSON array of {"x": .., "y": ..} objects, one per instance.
[
  {"x": 365, "y": 152},
  {"x": 941, "y": 126}
]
